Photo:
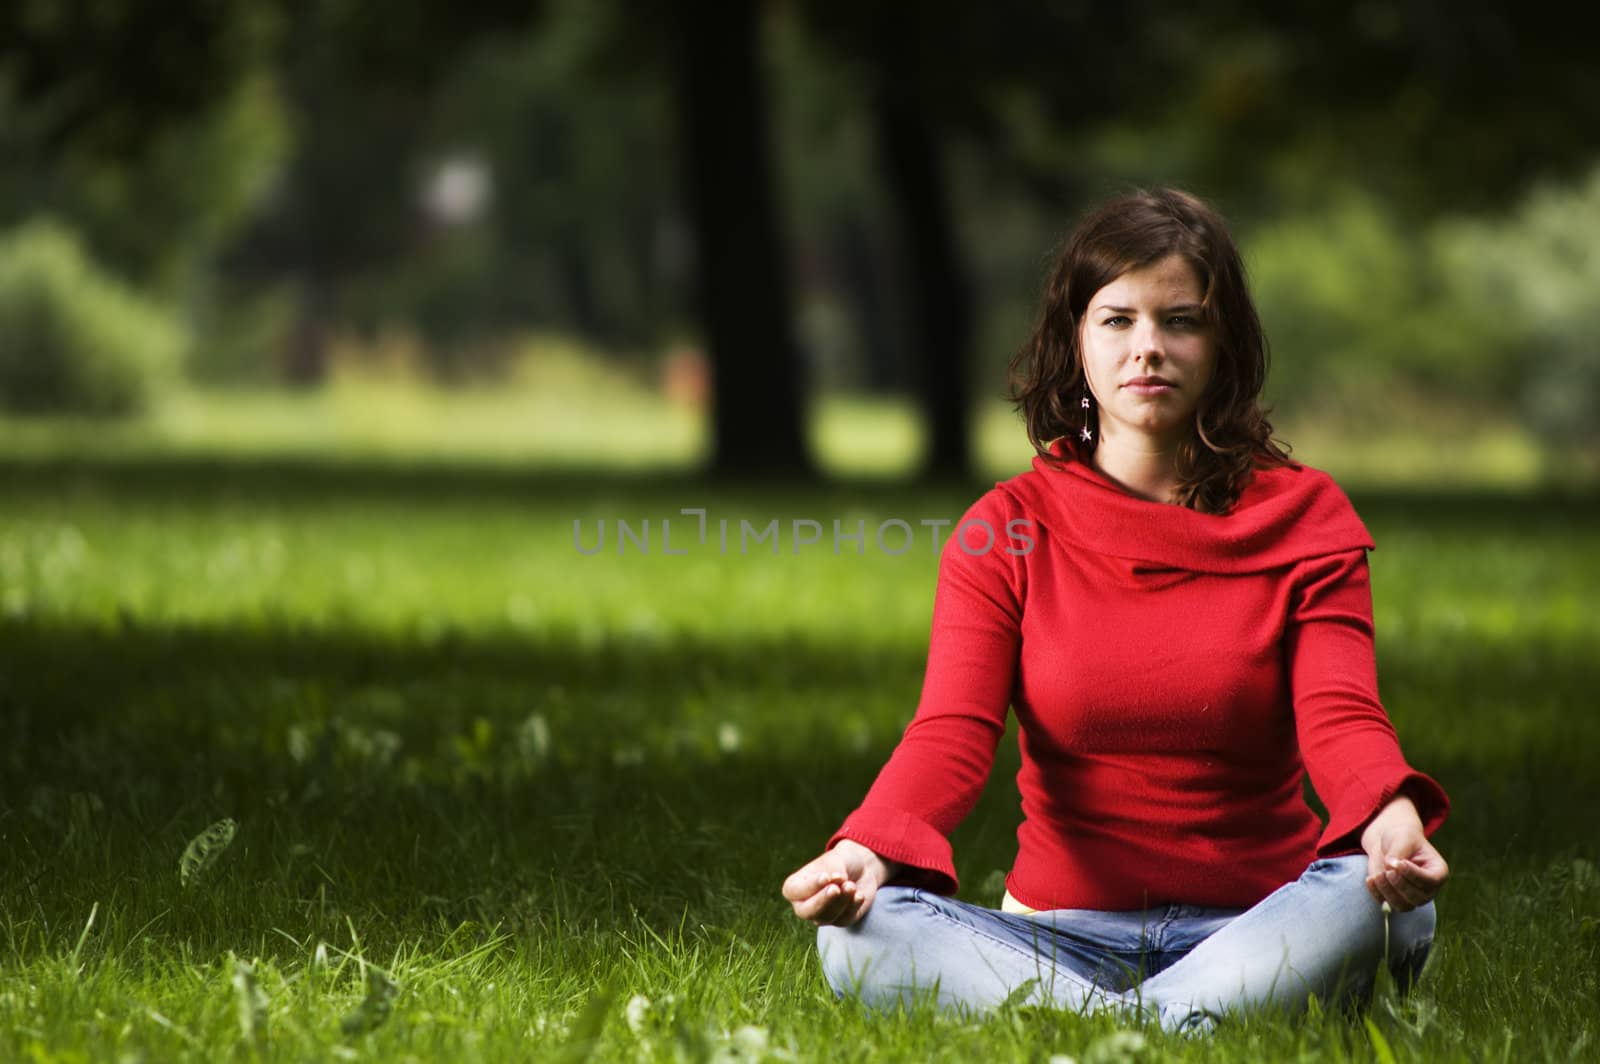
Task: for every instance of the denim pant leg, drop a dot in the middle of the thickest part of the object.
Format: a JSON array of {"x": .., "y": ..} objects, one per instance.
[
  {"x": 914, "y": 945},
  {"x": 1322, "y": 934}
]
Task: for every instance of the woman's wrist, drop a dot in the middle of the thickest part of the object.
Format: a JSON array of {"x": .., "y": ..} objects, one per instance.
[
  {"x": 1401, "y": 806},
  {"x": 1398, "y": 810},
  {"x": 870, "y": 858}
]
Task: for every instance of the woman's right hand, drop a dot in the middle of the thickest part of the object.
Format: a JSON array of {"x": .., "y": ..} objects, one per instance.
[{"x": 838, "y": 887}]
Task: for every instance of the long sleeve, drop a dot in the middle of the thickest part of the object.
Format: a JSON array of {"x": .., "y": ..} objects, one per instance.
[
  {"x": 937, "y": 771},
  {"x": 1346, "y": 740}
]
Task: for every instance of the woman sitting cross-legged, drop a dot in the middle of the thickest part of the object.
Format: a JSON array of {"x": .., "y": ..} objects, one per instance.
[{"x": 1181, "y": 618}]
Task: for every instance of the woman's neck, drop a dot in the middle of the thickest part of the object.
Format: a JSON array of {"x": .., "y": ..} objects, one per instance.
[{"x": 1144, "y": 468}]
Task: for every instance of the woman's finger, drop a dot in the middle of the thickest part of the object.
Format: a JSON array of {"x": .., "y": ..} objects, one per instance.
[
  {"x": 1401, "y": 895},
  {"x": 837, "y": 910},
  {"x": 1387, "y": 890},
  {"x": 809, "y": 879},
  {"x": 801, "y": 884},
  {"x": 816, "y": 907},
  {"x": 1412, "y": 895},
  {"x": 1392, "y": 898},
  {"x": 848, "y": 907},
  {"x": 1418, "y": 877}
]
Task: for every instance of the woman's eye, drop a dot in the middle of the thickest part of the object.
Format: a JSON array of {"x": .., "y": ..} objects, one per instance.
[
  {"x": 1185, "y": 321},
  {"x": 1114, "y": 319}
]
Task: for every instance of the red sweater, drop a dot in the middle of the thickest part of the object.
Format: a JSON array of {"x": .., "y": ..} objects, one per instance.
[{"x": 1174, "y": 674}]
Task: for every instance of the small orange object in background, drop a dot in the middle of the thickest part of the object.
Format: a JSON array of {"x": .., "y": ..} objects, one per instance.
[{"x": 685, "y": 377}]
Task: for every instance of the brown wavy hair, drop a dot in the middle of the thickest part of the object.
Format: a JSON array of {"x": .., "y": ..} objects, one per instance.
[{"x": 1232, "y": 435}]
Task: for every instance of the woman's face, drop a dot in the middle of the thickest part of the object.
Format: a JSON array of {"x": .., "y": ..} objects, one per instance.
[{"x": 1148, "y": 353}]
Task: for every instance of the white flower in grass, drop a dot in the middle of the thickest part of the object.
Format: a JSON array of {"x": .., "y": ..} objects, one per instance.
[
  {"x": 533, "y": 738},
  {"x": 251, "y": 1001},
  {"x": 748, "y": 1043},
  {"x": 1117, "y": 1047},
  {"x": 637, "y": 1011},
  {"x": 298, "y": 743},
  {"x": 728, "y": 738}
]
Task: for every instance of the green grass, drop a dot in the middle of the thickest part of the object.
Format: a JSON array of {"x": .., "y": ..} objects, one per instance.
[
  {"x": 572, "y": 416},
  {"x": 551, "y": 797}
]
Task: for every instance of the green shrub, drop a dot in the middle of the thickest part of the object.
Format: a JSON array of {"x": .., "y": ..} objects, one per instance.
[
  {"x": 1357, "y": 301},
  {"x": 1539, "y": 266},
  {"x": 72, "y": 339}
]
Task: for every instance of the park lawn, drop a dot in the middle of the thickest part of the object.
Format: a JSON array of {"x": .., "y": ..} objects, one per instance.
[{"x": 497, "y": 799}]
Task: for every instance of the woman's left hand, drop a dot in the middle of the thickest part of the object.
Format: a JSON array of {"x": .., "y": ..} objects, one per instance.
[{"x": 1403, "y": 868}]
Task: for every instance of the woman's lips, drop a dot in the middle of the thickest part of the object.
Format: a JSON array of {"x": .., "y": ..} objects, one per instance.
[{"x": 1149, "y": 387}]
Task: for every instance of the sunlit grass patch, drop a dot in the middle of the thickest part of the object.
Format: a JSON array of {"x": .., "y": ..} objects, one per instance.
[{"x": 496, "y": 799}]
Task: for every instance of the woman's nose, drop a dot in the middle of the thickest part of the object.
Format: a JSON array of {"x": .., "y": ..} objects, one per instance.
[{"x": 1147, "y": 344}]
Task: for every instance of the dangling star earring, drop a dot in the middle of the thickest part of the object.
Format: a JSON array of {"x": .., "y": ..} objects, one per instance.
[{"x": 1084, "y": 432}]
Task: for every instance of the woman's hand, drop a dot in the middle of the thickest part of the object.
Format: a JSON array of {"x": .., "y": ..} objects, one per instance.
[
  {"x": 838, "y": 887},
  {"x": 1403, "y": 868}
]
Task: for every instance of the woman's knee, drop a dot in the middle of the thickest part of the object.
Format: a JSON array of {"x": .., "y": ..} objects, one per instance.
[
  {"x": 1410, "y": 942},
  {"x": 1408, "y": 935},
  {"x": 1349, "y": 872},
  {"x": 856, "y": 957}
]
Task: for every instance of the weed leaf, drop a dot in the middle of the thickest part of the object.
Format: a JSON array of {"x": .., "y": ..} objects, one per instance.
[
  {"x": 204, "y": 849},
  {"x": 1020, "y": 995},
  {"x": 375, "y": 1008},
  {"x": 585, "y": 1030}
]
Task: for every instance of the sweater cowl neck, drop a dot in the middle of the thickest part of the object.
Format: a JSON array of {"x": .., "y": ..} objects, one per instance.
[{"x": 1285, "y": 515}]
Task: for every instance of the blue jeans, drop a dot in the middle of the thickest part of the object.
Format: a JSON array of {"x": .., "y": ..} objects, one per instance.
[{"x": 1183, "y": 965}]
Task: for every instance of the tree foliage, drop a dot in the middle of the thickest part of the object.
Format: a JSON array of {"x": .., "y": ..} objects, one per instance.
[{"x": 72, "y": 339}]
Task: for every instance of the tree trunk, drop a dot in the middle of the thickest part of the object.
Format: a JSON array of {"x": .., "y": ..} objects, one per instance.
[
  {"x": 940, "y": 325},
  {"x": 305, "y": 356},
  {"x": 757, "y": 418},
  {"x": 862, "y": 289},
  {"x": 941, "y": 319}
]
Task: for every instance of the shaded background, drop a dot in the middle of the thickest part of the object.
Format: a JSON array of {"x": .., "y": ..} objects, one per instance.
[{"x": 756, "y": 238}]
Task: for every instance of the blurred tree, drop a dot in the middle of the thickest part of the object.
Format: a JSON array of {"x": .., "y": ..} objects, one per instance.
[
  {"x": 1434, "y": 107},
  {"x": 1249, "y": 102},
  {"x": 358, "y": 84},
  {"x": 1535, "y": 271},
  {"x": 73, "y": 340},
  {"x": 946, "y": 71},
  {"x": 578, "y": 138},
  {"x": 159, "y": 215},
  {"x": 361, "y": 82},
  {"x": 1371, "y": 314},
  {"x": 105, "y": 78},
  {"x": 155, "y": 153},
  {"x": 757, "y": 417}
]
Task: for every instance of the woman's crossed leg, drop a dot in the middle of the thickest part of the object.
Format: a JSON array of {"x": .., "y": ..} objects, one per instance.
[{"x": 1322, "y": 934}]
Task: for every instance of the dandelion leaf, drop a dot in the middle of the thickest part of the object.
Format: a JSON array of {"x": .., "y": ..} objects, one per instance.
[
  {"x": 375, "y": 1008},
  {"x": 584, "y": 1034},
  {"x": 204, "y": 849}
]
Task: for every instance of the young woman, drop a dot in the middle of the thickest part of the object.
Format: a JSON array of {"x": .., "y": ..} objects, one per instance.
[{"x": 1189, "y": 635}]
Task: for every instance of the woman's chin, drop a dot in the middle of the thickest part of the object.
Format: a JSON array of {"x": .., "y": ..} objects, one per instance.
[{"x": 1158, "y": 427}]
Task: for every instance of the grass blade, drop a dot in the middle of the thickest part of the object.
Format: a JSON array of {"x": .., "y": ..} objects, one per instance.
[{"x": 1380, "y": 1044}]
